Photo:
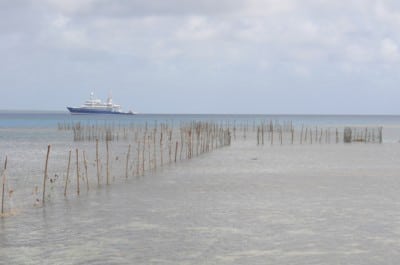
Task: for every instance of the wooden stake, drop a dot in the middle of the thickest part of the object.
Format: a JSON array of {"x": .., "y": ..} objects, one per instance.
[
  {"x": 154, "y": 148},
  {"x": 262, "y": 133},
  {"x": 272, "y": 133},
  {"x": 77, "y": 171},
  {"x": 292, "y": 131},
  {"x": 161, "y": 148},
  {"x": 86, "y": 171},
  {"x": 66, "y": 179},
  {"x": 170, "y": 146},
  {"x": 149, "y": 150},
  {"x": 97, "y": 162},
  {"x": 127, "y": 161},
  {"x": 320, "y": 136},
  {"x": 258, "y": 135},
  {"x": 176, "y": 150},
  {"x": 337, "y": 136},
  {"x": 138, "y": 159},
  {"x": 108, "y": 163},
  {"x": 301, "y": 134},
  {"x": 45, "y": 173},
  {"x": 143, "y": 153},
  {"x": 4, "y": 183}
]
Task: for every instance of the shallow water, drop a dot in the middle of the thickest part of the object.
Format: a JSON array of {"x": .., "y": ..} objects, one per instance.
[{"x": 243, "y": 204}]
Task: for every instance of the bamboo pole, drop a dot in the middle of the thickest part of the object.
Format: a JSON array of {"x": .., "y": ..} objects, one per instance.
[
  {"x": 45, "y": 174},
  {"x": 4, "y": 183},
  {"x": 66, "y": 179}
]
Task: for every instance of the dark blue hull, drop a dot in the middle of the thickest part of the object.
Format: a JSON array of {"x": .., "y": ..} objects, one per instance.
[{"x": 94, "y": 111}]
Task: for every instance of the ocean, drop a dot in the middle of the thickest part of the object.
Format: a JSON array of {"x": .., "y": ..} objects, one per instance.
[{"x": 296, "y": 195}]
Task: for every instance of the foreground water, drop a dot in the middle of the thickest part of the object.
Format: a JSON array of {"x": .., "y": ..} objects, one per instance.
[{"x": 243, "y": 204}]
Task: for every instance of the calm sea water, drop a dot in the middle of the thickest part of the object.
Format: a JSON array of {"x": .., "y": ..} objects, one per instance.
[
  {"x": 10, "y": 119},
  {"x": 243, "y": 204}
]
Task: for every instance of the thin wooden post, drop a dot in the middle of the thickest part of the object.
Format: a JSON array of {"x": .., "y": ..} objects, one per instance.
[
  {"x": 292, "y": 131},
  {"x": 316, "y": 134},
  {"x": 161, "y": 147},
  {"x": 301, "y": 134},
  {"x": 143, "y": 153},
  {"x": 97, "y": 162},
  {"x": 176, "y": 150},
  {"x": 337, "y": 136},
  {"x": 272, "y": 133},
  {"x": 45, "y": 173},
  {"x": 181, "y": 149},
  {"x": 66, "y": 179},
  {"x": 4, "y": 183},
  {"x": 305, "y": 137},
  {"x": 77, "y": 171},
  {"x": 154, "y": 148},
  {"x": 86, "y": 171},
  {"x": 108, "y": 163},
  {"x": 127, "y": 161},
  {"x": 149, "y": 150},
  {"x": 320, "y": 136},
  {"x": 262, "y": 133},
  {"x": 170, "y": 146}
]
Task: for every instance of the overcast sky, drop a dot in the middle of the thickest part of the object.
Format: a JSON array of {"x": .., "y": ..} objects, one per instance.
[{"x": 203, "y": 56}]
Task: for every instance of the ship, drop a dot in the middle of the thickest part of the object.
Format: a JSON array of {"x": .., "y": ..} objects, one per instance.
[{"x": 96, "y": 106}]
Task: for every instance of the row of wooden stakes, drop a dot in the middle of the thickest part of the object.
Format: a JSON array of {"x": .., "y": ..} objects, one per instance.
[
  {"x": 154, "y": 149},
  {"x": 309, "y": 135}
]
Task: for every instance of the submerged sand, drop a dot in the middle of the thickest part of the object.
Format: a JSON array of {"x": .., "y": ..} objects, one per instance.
[{"x": 244, "y": 204}]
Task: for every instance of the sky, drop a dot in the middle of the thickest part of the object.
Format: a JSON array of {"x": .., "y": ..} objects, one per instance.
[{"x": 208, "y": 56}]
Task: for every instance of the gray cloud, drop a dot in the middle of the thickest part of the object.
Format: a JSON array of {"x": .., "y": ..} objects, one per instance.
[
  {"x": 124, "y": 8},
  {"x": 309, "y": 42}
]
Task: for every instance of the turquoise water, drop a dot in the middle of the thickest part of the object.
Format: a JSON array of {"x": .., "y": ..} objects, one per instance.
[
  {"x": 9, "y": 119},
  {"x": 320, "y": 203}
]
